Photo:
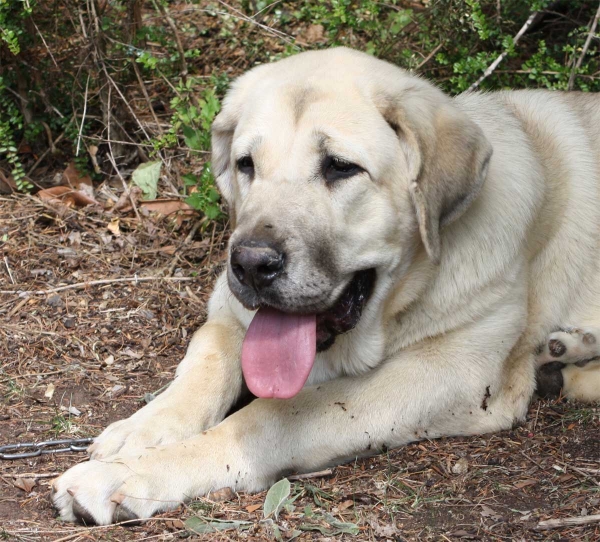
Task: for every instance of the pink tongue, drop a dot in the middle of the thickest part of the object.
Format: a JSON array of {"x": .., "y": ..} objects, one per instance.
[{"x": 278, "y": 353}]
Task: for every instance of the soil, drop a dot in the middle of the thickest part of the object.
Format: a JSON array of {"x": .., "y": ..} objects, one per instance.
[{"x": 101, "y": 348}]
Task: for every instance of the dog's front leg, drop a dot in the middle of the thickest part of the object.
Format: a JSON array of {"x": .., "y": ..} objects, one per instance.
[
  {"x": 207, "y": 384},
  {"x": 421, "y": 394}
]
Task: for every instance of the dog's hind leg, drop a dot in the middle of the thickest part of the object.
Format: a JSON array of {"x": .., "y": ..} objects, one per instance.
[{"x": 568, "y": 363}]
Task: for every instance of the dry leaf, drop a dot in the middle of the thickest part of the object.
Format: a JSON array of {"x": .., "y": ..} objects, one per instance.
[
  {"x": 49, "y": 391},
  {"x": 488, "y": 512},
  {"x": 345, "y": 505},
  {"x": 26, "y": 484},
  {"x": 525, "y": 483},
  {"x": 93, "y": 151},
  {"x": 315, "y": 33},
  {"x": 253, "y": 507},
  {"x": 72, "y": 178},
  {"x": 174, "y": 524},
  {"x": 66, "y": 196},
  {"x": 223, "y": 494},
  {"x": 166, "y": 206},
  {"x": 113, "y": 227}
]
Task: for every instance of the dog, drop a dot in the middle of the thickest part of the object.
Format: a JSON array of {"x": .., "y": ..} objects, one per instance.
[{"x": 400, "y": 265}]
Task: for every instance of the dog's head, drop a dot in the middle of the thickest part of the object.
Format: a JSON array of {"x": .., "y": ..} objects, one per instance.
[{"x": 334, "y": 165}]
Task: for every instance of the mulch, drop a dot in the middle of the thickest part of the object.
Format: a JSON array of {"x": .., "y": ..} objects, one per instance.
[{"x": 76, "y": 356}]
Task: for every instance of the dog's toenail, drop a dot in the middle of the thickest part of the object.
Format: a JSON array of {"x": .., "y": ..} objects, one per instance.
[
  {"x": 117, "y": 498},
  {"x": 71, "y": 491}
]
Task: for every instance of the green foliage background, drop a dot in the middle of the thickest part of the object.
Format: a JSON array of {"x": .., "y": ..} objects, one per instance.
[{"x": 150, "y": 73}]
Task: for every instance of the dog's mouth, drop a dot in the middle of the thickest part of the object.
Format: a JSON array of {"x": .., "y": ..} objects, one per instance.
[{"x": 279, "y": 348}]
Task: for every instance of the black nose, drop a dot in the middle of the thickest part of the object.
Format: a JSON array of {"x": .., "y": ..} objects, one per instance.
[{"x": 256, "y": 266}]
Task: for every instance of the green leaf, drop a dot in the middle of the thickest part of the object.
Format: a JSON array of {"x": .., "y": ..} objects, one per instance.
[
  {"x": 342, "y": 527},
  {"x": 210, "y": 525},
  {"x": 146, "y": 177},
  {"x": 276, "y": 497}
]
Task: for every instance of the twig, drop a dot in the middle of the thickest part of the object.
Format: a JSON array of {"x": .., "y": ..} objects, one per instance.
[
  {"x": 494, "y": 64},
  {"x": 83, "y": 116},
  {"x": 584, "y": 51},
  {"x": 567, "y": 522},
  {"x": 136, "y": 69},
  {"x": 45, "y": 153},
  {"x": 310, "y": 475},
  {"x": 159, "y": 6},
  {"x": 429, "y": 57},
  {"x": 80, "y": 285},
  {"x": 8, "y": 269},
  {"x": 33, "y": 476}
]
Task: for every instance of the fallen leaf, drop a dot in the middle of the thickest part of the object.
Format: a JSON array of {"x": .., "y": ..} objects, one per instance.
[
  {"x": 223, "y": 494},
  {"x": 166, "y": 206},
  {"x": 253, "y": 507},
  {"x": 345, "y": 505},
  {"x": 276, "y": 497},
  {"x": 66, "y": 196},
  {"x": 488, "y": 512},
  {"x": 74, "y": 179},
  {"x": 146, "y": 176},
  {"x": 26, "y": 484},
  {"x": 113, "y": 227},
  {"x": 384, "y": 531},
  {"x": 203, "y": 526},
  {"x": 49, "y": 391},
  {"x": 174, "y": 524},
  {"x": 93, "y": 151},
  {"x": 525, "y": 483}
]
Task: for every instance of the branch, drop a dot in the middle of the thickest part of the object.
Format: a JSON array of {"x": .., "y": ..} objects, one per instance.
[
  {"x": 567, "y": 522},
  {"x": 81, "y": 285},
  {"x": 532, "y": 18},
  {"x": 584, "y": 51}
]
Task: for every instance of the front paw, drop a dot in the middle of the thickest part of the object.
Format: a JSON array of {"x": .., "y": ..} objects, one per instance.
[
  {"x": 112, "y": 491},
  {"x": 146, "y": 428}
]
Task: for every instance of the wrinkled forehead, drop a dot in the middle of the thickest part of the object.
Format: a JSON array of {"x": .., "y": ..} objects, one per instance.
[{"x": 291, "y": 118}]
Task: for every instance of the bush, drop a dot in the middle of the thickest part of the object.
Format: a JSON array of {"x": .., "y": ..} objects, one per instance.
[{"x": 119, "y": 81}]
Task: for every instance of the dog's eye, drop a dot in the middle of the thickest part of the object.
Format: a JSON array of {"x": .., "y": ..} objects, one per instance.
[
  {"x": 246, "y": 165},
  {"x": 336, "y": 169}
]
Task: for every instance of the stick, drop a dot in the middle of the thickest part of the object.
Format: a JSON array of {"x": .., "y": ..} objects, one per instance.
[
  {"x": 567, "y": 522},
  {"x": 584, "y": 51},
  {"x": 309, "y": 475},
  {"x": 80, "y": 285},
  {"x": 494, "y": 64}
]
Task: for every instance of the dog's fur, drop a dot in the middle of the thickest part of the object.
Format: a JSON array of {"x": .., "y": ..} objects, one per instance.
[{"x": 481, "y": 216}]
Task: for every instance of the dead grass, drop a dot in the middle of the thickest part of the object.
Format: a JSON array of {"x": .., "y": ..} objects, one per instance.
[{"x": 103, "y": 347}]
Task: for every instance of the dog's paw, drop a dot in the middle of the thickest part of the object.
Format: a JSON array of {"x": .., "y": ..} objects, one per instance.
[
  {"x": 570, "y": 345},
  {"x": 104, "y": 492},
  {"x": 146, "y": 428}
]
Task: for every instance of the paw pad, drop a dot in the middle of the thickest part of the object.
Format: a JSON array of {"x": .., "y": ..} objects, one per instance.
[{"x": 556, "y": 348}]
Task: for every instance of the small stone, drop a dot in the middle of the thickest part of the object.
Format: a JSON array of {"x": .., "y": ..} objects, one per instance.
[
  {"x": 461, "y": 466},
  {"x": 55, "y": 301},
  {"x": 70, "y": 323}
]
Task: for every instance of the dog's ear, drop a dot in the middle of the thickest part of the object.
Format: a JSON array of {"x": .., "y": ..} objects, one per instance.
[
  {"x": 222, "y": 136},
  {"x": 447, "y": 154}
]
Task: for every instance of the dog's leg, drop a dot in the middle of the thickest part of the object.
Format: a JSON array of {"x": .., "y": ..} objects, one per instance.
[
  {"x": 436, "y": 390},
  {"x": 568, "y": 364},
  {"x": 207, "y": 383}
]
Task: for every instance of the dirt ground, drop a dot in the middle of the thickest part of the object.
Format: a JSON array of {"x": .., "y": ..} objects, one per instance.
[{"x": 76, "y": 357}]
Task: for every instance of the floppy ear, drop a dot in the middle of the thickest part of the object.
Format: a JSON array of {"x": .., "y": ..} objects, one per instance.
[
  {"x": 222, "y": 137},
  {"x": 448, "y": 157}
]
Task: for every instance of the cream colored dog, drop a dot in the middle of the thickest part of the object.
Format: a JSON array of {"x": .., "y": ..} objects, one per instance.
[{"x": 398, "y": 258}]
